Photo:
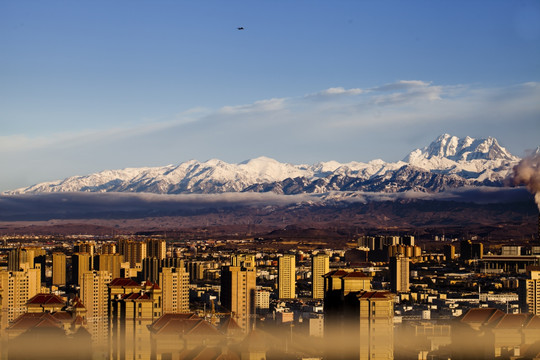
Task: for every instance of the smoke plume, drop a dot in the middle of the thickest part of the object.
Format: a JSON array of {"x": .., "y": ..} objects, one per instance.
[{"x": 527, "y": 173}]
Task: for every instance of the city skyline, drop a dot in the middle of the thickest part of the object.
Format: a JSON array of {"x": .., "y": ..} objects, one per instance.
[{"x": 108, "y": 86}]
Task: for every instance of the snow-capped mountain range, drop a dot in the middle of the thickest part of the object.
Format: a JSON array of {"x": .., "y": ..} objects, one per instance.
[{"x": 448, "y": 162}]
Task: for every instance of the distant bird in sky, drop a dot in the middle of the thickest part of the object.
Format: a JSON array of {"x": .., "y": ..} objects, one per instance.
[{"x": 240, "y": 28}]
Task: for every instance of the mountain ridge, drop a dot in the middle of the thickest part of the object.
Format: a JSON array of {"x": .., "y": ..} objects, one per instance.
[{"x": 448, "y": 162}]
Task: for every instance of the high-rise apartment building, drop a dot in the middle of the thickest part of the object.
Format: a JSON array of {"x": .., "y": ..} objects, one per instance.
[
  {"x": 407, "y": 240},
  {"x": 376, "y": 325},
  {"x": 59, "y": 269},
  {"x": 358, "y": 324},
  {"x": 172, "y": 262},
  {"x": 85, "y": 247},
  {"x": 17, "y": 288},
  {"x": 174, "y": 284},
  {"x": 471, "y": 251},
  {"x": 80, "y": 263},
  {"x": 94, "y": 296},
  {"x": 111, "y": 263},
  {"x": 150, "y": 269},
  {"x": 449, "y": 252},
  {"x": 20, "y": 259},
  {"x": 131, "y": 315},
  {"x": 238, "y": 286},
  {"x": 134, "y": 251},
  {"x": 287, "y": 277},
  {"x": 399, "y": 274},
  {"x": 320, "y": 265},
  {"x": 88, "y": 247},
  {"x": 197, "y": 270},
  {"x": 529, "y": 293},
  {"x": 244, "y": 260},
  {"x": 156, "y": 248},
  {"x": 262, "y": 299},
  {"x": 108, "y": 248}
]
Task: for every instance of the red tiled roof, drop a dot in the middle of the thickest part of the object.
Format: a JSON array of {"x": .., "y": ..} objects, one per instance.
[
  {"x": 229, "y": 324},
  {"x": 534, "y": 323},
  {"x": 124, "y": 282},
  {"x": 62, "y": 316},
  {"x": 183, "y": 324},
  {"x": 484, "y": 315},
  {"x": 79, "y": 305},
  {"x": 165, "y": 318},
  {"x": 24, "y": 323},
  {"x": 203, "y": 327},
  {"x": 178, "y": 326},
  {"x": 257, "y": 340},
  {"x": 135, "y": 296},
  {"x": 46, "y": 299},
  {"x": 356, "y": 274},
  {"x": 79, "y": 320},
  {"x": 46, "y": 323},
  {"x": 31, "y": 320},
  {"x": 375, "y": 295},
  {"x": 512, "y": 321},
  {"x": 82, "y": 332},
  {"x": 336, "y": 273}
]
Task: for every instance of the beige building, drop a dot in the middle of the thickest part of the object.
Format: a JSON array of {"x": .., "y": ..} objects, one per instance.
[
  {"x": 338, "y": 283},
  {"x": 21, "y": 259},
  {"x": 262, "y": 299},
  {"x": 156, "y": 248},
  {"x": 529, "y": 293},
  {"x": 131, "y": 315},
  {"x": 174, "y": 284},
  {"x": 320, "y": 265},
  {"x": 42, "y": 303},
  {"x": 108, "y": 248},
  {"x": 111, "y": 263},
  {"x": 17, "y": 288},
  {"x": 88, "y": 247},
  {"x": 59, "y": 269},
  {"x": 80, "y": 263},
  {"x": 399, "y": 274},
  {"x": 85, "y": 247},
  {"x": 134, "y": 251},
  {"x": 94, "y": 296},
  {"x": 238, "y": 287},
  {"x": 287, "y": 277},
  {"x": 245, "y": 260},
  {"x": 376, "y": 336},
  {"x": 198, "y": 270},
  {"x": 358, "y": 324}
]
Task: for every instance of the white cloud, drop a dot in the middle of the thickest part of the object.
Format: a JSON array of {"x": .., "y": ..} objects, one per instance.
[
  {"x": 402, "y": 85},
  {"x": 256, "y": 107},
  {"x": 332, "y": 93}
]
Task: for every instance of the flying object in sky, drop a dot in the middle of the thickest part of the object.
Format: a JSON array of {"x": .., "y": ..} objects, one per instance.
[{"x": 240, "y": 28}]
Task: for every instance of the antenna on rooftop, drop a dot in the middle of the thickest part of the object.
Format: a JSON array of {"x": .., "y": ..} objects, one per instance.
[{"x": 479, "y": 291}]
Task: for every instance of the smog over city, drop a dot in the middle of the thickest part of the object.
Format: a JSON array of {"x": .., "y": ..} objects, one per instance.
[{"x": 270, "y": 180}]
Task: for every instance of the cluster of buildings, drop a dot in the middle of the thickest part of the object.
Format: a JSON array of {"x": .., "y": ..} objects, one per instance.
[{"x": 148, "y": 298}]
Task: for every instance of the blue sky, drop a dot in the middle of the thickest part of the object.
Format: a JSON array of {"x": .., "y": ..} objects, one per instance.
[{"x": 93, "y": 85}]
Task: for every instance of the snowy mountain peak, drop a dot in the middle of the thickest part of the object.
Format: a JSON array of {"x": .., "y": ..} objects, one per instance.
[
  {"x": 259, "y": 161},
  {"x": 457, "y": 149}
]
